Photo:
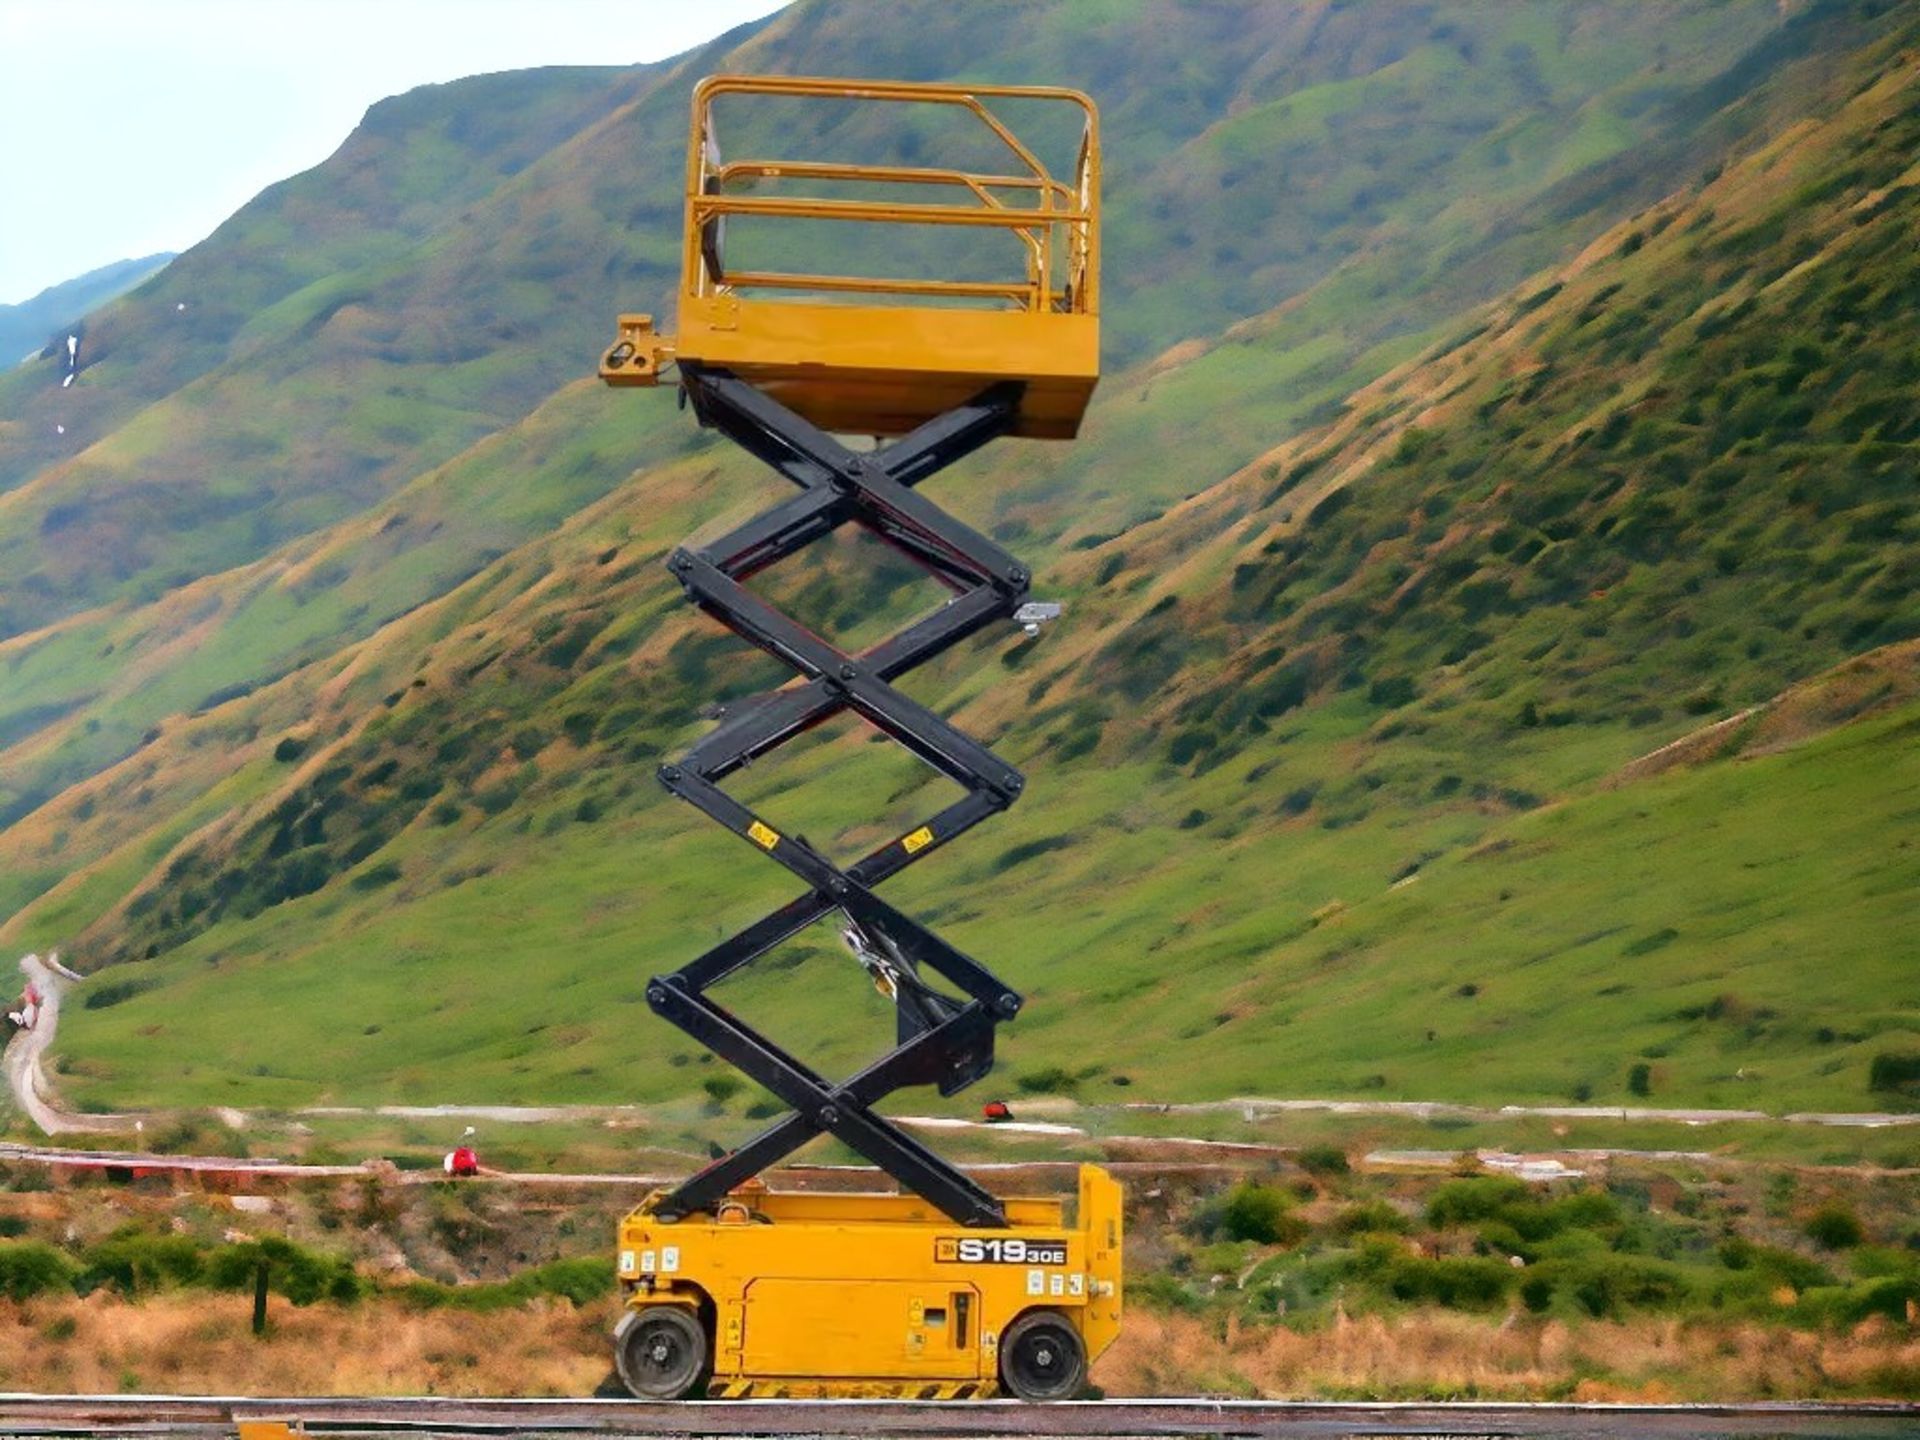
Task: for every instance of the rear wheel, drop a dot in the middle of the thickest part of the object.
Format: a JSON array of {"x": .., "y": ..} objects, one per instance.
[
  {"x": 662, "y": 1352},
  {"x": 1042, "y": 1357}
]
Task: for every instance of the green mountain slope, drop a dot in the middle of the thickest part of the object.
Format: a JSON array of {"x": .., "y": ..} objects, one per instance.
[
  {"x": 549, "y": 234},
  {"x": 1320, "y": 760},
  {"x": 27, "y": 328},
  {"x": 346, "y": 330}
]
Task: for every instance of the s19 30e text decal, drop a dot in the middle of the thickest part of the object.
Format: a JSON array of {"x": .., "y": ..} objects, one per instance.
[{"x": 1011, "y": 1250}]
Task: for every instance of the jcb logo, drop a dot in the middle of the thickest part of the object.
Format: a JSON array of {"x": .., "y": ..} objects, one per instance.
[{"x": 971, "y": 1250}]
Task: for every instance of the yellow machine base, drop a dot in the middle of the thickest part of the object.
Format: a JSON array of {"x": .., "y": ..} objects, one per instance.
[{"x": 816, "y": 1295}]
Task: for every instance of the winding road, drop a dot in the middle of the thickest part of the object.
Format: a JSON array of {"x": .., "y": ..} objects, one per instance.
[{"x": 27, "y": 1078}]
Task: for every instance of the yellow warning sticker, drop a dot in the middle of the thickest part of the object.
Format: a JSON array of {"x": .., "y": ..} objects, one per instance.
[
  {"x": 917, "y": 841},
  {"x": 765, "y": 836}
]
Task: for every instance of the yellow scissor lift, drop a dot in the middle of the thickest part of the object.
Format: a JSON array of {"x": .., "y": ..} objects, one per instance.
[{"x": 939, "y": 1289}]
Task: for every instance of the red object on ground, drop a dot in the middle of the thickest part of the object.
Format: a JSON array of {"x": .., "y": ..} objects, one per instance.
[
  {"x": 996, "y": 1110},
  {"x": 463, "y": 1162}
]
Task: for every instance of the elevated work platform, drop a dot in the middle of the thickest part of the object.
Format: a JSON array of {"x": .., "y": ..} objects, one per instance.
[
  {"x": 947, "y": 1288},
  {"x": 884, "y": 354}
]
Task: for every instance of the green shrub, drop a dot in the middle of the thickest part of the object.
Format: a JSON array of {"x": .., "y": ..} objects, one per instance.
[
  {"x": 101, "y": 997},
  {"x": 1606, "y": 1285},
  {"x": 1048, "y": 1080},
  {"x": 137, "y": 1262},
  {"x": 300, "y": 1274},
  {"x": 1030, "y": 850},
  {"x": 1391, "y": 691},
  {"x": 582, "y": 1279},
  {"x": 1785, "y": 1266},
  {"x": 722, "y": 1088},
  {"x": 1454, "y": 1282},
  {"x": 1225, "y": 1257},
  {"x": 1370, "y": 1217},
  {"x": 1259, "y": 1213},
  {"x": 1835, "y": 1226},
  {"x": 1894, "y": 1073},
  {"x": 1158, "y": 1290},
  {"x": 1892, "y": 1297},
  {"x": 1478, "y": 1197},
  {"x": 31, "y": 1267},
  {"x": 1837, "y": 1306},
  {"x": 1323, "y": 1160}
]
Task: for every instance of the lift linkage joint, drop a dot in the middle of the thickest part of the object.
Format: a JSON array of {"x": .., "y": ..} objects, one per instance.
[{"x": 944, "y": 1040}]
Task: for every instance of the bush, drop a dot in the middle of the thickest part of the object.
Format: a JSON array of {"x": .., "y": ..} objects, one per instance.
[
  {"x": 1606, "y": 1285},
  {"x": 1896, "y": 1074},
  {"x": 1258, "y": 1213},
  {"x": 1391, "y": 691},
  {"x": 31, "y": 1267},
  {"x": 1640, "y": 1079},
  {"x": 101, "y": 997},
  {"x": 1160, "y": 1291},
  {"x": 722, "y": 1088},
  {"x": 1372, "y": 1217},
  {"x": 1892, "y": 1297},
  {"x": 136, "y": 1263},
  {"x": 582, "y": 1279},
  {"x": 1738, "y": 1253},
  {"x": 1226, "y": 1257},
  {"x": 1480, "y": 1197},
  {"x": 1455, "y": 1282},
  {"x": 300, "y": 1274},
  {"x": 1324, "y": 1160},
  {"x": 1835, "y": 1226},
  {"x": 1048, "y": 1080}
]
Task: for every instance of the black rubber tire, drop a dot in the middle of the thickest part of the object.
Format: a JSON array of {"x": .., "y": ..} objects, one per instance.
[
  {"x": 1042, "y": 1357},
  {"x": 662, "y": 1353}
]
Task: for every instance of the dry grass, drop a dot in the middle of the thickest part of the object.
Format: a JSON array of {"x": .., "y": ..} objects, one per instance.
[
  {"x": 188, "y": 1344},
  {"x": 1443, "y": 1355}
]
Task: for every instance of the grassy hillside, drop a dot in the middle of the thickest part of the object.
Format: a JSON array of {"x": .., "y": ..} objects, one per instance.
[
  {"x": 459, "y": 258},
  {"x": 85, "y": 688},
  {"x": 30, "y": 326},
  {"x": 1372, "y": 608}
]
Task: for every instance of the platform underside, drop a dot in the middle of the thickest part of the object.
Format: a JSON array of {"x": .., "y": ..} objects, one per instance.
[{"x": 884, "y": 370}]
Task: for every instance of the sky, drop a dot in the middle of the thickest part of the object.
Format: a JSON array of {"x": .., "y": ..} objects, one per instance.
[{"x": 129, "y": 127}]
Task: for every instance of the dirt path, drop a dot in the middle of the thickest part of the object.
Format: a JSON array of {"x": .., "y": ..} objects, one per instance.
[{"x": 27, "y": 1078}]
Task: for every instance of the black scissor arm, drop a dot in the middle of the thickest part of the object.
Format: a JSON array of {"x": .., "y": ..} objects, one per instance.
[{"x": 944, "y": 1040}]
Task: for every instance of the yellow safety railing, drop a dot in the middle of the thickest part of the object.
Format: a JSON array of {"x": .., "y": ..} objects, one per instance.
[
  {"x": 1056, "y": 221},
  {"x": 864, "y": 353}
]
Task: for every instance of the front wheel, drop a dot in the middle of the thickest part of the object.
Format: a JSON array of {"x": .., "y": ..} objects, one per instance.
[
  {"x": 661, "y": 1352},
  {"x": 1042, "y": 1357}
]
